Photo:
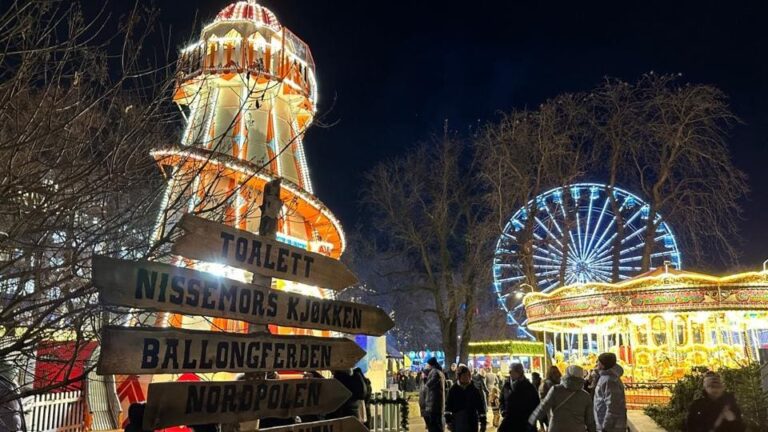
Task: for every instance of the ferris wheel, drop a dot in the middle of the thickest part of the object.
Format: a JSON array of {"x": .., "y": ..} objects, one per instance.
[{"x": 571, "y": 239}]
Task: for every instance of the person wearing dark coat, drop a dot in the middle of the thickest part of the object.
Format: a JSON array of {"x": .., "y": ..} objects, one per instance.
[
  {"x": 135, "y": 417},
  {"x": 465, "y": 407},
  {"x": 518, "y": 400},
  {"x": 355, "y": 383},
  {"x": 717, "y": 411},
  {"x": 432, "y": 398}
]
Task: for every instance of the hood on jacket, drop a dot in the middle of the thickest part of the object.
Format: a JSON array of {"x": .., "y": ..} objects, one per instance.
[
  {"x": 616, "y": 371},
  {"x": 572, "y": 383}
]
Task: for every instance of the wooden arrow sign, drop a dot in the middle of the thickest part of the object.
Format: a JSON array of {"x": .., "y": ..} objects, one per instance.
[
  {"x": 214, "y": 242},
  {"x": 344, "y": 424},
  {"x": 137, "y": 351},
  {"x": 163, "y": 287},
  {"x": 191, "y": 403}
]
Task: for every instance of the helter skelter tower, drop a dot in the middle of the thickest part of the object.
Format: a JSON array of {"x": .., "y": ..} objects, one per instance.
[{"x": 248, "y": 90}]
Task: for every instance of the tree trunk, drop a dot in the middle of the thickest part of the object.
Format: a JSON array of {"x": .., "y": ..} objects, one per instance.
[
  {"x": 650, "y": 235},
  {"x": 450, "y": 339},
  {"x": 616, "y": 247}
]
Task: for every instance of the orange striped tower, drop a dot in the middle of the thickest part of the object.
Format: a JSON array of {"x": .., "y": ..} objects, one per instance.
[{"x": 248, "y": 91}]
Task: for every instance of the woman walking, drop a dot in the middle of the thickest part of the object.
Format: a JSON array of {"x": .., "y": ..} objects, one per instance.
[{"x": 569, "y": 407}]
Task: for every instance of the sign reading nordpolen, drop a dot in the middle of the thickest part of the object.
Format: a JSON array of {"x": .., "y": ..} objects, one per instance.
[
  {"x": 129, "y": 351},
  {"x": 163, "y": 287},
  {"x": 176, "y": 403},
  {"x": 343, "y": 424},
  {"x": 214, "y": 242}
]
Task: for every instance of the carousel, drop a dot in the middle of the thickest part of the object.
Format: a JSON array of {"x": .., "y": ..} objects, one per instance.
[{"x": 660, "y": 324}]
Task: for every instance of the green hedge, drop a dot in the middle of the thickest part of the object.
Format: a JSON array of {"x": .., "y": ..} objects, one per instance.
[
  {"x": 507, "y": 347},
  {"x": 743, "y": 382}
]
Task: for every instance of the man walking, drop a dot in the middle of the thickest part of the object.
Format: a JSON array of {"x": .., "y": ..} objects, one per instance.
[
  {"x": 610, "y": 403},
  {"x": 433, "y": 406},
  {"x": 465, "y": 407},
  {"x": 517, "y": 401}
]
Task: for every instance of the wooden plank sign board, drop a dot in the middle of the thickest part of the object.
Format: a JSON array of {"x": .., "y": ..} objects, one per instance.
[
  {"x": 343, "y": 424},
  {"x": 192, "y": 403},
  {"x": 214, "y": 242},
  {"x": 129, "y": 351},
  {"x": 163, "y": 287}
]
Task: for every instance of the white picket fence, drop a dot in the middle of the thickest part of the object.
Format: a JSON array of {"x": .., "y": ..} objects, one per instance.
[
  {"x": 55, "y": 412},
  {"x": 385, "y": 412}
]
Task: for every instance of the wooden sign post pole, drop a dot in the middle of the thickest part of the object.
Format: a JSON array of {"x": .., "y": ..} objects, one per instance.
[{"x": 270, "y": 209}]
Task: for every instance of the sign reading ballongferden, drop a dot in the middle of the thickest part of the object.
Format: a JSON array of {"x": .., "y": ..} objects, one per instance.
[
  {"x": 214, "y": 242},
  {"x": 163, "y": 287},
  {"x": 175, "y": 403},
  {"x": 343, "y": 424},
  {"x": 137, "y": 351}
]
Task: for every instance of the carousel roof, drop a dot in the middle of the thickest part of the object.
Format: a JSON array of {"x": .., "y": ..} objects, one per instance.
[
  {"x": 248, "y": 11},
  {"x": 658, "y": 291}
]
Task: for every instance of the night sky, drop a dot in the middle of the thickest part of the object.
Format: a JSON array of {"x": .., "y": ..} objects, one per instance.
[{"x": 390, "y": 72}]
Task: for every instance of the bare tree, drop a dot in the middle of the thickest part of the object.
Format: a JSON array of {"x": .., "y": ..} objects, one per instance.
[
  {"x": 429, "y": 211},
  {"x": 670, "y": 142},
  {"x": 525, "y": 154}
]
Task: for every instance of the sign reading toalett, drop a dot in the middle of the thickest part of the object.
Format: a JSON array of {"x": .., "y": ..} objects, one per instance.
[{"x": 214, "y": 242}]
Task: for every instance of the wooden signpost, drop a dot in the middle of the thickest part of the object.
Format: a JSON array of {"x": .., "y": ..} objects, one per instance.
[
  {"x": 171, "y": 404},
  {"x": 344, "y": 424},
  {"x": 213, "y": 242},
  {"x": 167, "y": 288},
  {"x": 163, "y": 287},
  {"x": 130, "y": 351}
]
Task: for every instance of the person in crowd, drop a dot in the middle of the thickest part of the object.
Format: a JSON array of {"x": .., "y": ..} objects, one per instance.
[
  {"x": 135, "y": 417},
  {"x": 478, "y": 379},
  {"x": 402, "y": 381},
  {"x": 450, "y": 374},
  {"x": 433, "y": 401},
  {"x": 491, "y": 381},
  {"x": 553, "y": 379},
  {"x": 412, "y": 384},
  {"x": 355, "y": 383},
  {"x": 493, "y": 401},
  {"x": 536, "y": 380},
  {"x": 365, "y": 406},
  {"x": 610, "y": 402},
  {"x": 517, "y": 401},
  {"x": 591, "y": 382},
  {"x": 11, "y": 411},
  {"x": 716, "y": 411},
  {"x": 465, "y": 407},
  {"x": 567, "y": 404}
]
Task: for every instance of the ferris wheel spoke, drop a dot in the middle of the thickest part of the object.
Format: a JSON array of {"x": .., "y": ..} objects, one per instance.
[
  {"x": 545, "y": 259},
  {"x": 634, "y": 234},
  {"x": 633, "y": 217},
  {"x": 600, "y": 243},
  {"x": 511, "y": 279},
  {"x": 578, "y": 232},
  {"x": 597, "y": 225},
  {"x": 602, "y": 246},
  {"x": 630, "y": 259},
  {"x": 586, "y": 227},
  {"x": 554, "y": 221},
  {"x": 631, "y": 248},
  {"x": 549, "y": 233}
]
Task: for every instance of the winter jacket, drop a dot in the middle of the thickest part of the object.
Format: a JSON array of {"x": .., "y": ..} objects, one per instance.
[
  {"x": 517, "y": 402},
  {"x": 355, "y": 383},
  {"x": 465, "y": 408},
  {"x": 11, "y": 418},
  {"x": 546, "y": 386},
  {"x": 490, "y": 380},
  {"x": 610, "y": 403},
  {"x": 568, "y": 406},
  {"x": 432, "y": 402},
  {"x": 479, "y": 382},
  {"x": 703, "y": 414}
]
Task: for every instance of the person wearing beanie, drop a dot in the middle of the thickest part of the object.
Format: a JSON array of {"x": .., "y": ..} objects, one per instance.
[
  {"x": 517, "y": 401},
  {"x": 432, "y": 400},
  {"x": 717, "y": 411},
  {"x": 465, "y": 407},
  {"x": 610, "y": 402},
  {"x": 569, "y": 407}
]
